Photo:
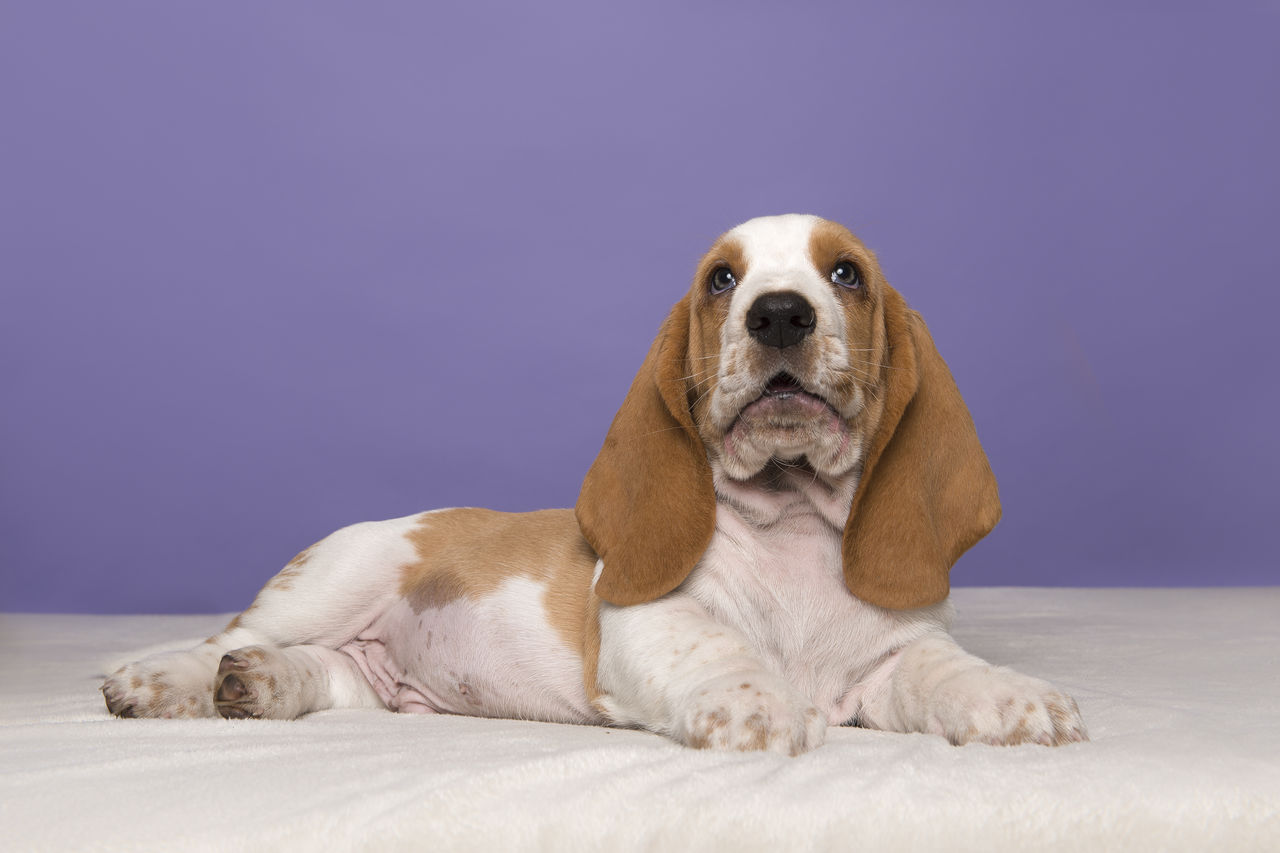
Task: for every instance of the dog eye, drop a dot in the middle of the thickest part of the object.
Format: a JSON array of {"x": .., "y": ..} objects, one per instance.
[
  {"x": 722, "y": 279},
  {"x": 846, "y": 274}
]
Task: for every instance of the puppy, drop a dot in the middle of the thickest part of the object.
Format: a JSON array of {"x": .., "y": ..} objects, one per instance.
[{"x": 761, "y": 549}]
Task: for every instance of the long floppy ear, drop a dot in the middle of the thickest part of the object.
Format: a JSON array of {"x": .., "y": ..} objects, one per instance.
[
  {"x": 647, "y": 504},
  {"x": 927, "y": 492}
]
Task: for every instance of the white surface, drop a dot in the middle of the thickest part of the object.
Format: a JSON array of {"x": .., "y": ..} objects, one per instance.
[{"x": 1180, "y": 688}]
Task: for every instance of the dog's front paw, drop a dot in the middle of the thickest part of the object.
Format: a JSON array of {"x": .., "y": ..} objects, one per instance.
[
  {"x": 174, "y": 684},
  {"x": 998, "y": 706},
  {"x": 750, "y": 712}
]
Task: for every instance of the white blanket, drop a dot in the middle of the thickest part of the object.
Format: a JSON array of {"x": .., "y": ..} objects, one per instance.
[{"x": 1180, "y": 689}]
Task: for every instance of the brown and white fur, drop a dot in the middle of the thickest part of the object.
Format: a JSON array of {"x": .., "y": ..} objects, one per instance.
[{"x": 761, "y": 549}]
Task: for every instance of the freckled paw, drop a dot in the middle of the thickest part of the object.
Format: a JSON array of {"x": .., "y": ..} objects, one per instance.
[
  {"x": 256, "y": 682},
  {"x": 1005, "y": 708},
  {"x": 176, "y": 684},
  {"x": 751, "y": 713}
]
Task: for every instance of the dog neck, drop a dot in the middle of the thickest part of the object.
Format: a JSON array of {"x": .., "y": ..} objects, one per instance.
[{"x": 788, "y": 497}]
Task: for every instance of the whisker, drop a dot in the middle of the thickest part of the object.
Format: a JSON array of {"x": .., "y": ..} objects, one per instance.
[
  {"x": 701, "y": 397},
  {"x": 695, "y": 385},
  {"x": 658, "y": 431}
]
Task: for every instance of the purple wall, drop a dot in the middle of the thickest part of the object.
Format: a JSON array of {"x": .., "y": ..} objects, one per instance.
[{"x": 269, "y": 269}]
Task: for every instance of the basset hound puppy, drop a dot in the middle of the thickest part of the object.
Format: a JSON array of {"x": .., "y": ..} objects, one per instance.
[{"x": 760, "y": 550}]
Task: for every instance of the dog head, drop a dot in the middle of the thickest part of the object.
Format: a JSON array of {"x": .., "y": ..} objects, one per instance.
[{"x": 790, "y": 347}]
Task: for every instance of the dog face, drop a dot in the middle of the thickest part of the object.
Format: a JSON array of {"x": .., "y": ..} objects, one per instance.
[
  {"x": 791, "y": 347},
  {"x": 789, "y": 336}
]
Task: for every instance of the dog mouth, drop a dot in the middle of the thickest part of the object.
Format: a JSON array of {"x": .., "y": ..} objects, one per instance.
[
  {"x": 784, "y": 386},
  {"x": 783, "y": 402},
  {"x": 786, "y": 421}
]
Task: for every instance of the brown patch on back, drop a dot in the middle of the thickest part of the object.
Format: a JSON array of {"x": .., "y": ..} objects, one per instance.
[
  {"x": 469, "y": 553},
  {"x": 438, "y": 589}
]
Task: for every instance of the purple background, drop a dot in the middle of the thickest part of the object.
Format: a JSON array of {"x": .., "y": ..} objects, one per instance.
[{"x": 269, "y": 269}]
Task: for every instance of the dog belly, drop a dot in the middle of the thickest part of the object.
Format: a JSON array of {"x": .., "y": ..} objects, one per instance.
[{"x": 491, "y": 657}]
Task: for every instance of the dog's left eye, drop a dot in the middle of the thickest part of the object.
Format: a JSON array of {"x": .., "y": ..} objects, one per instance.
[{"x": 846, "y": 274}]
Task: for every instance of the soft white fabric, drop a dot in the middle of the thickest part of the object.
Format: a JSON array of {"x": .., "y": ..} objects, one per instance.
[{"x": 1180, "y": 688}]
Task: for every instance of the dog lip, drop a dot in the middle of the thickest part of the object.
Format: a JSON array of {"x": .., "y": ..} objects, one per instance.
[{"x": 782, "y": 386}]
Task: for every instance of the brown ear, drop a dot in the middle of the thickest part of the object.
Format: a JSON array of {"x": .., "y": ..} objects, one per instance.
[
  {"x": 927, "y": 492},
  {"x": 647, "y": 505}
]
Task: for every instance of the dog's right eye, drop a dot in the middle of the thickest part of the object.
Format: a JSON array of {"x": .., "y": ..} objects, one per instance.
[{"x": 722, "y": 279}]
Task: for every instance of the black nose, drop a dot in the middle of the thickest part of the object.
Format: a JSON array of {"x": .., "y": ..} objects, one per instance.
[{"x": 780, "y": 319}]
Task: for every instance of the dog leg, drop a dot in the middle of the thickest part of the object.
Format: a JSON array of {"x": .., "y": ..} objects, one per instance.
[
  {"x": 285, "y": 683},
  {"x": 318, "y": 602},
  {"x": 667, "y": 666},
  {"x": 932, "y": 685}
]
